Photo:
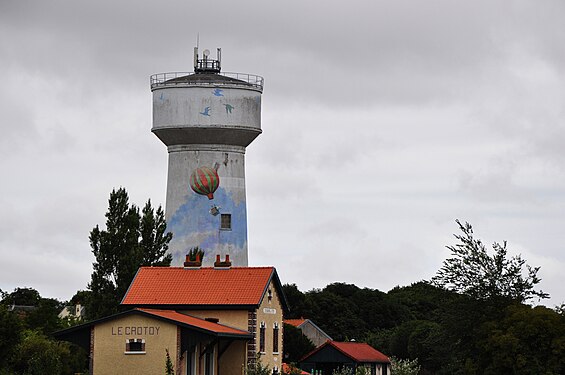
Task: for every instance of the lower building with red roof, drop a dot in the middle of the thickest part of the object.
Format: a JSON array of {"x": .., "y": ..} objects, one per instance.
[
  {"x": 210, "y": 320},
  {"x": 333, "y": 355}
]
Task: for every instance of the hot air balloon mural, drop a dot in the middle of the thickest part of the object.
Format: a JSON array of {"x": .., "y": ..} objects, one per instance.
[{"x": 205, "y": 181}]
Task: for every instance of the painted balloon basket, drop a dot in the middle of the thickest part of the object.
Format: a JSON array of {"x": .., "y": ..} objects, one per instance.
[{"x": 205, "y": 181}]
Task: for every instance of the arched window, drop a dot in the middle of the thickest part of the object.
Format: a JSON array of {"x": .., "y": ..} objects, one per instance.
[
  {"x": 276, "y": 337},
  {"x": 262, "y": 337}
]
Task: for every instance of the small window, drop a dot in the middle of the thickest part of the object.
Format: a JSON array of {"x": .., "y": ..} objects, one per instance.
[
  {"x": 135, "y": 346},
  {"x": 262, "y": 338},
  {"x": 225, "y": 222},
  {"x": 276, "y": 338}
]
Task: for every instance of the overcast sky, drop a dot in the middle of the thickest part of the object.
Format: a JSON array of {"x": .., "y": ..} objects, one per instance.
[{"x": 383, "y": 122}]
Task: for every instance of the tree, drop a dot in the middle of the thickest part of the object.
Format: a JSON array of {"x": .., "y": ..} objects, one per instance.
[
  {"x": 10, "y": 334},
  {"x": 404, "y": 366},
  {"x": 474, "y": 272},
  {"x": 169, "y": 370},
  {"x": 296, "y": 345},
  {"x": 131, "y": 240},
  {"x": 22, "y": 297},
  {"x": 256, "y": 367}
]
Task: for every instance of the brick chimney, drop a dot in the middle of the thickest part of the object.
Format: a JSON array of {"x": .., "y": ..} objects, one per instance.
[
  {"x": 193, "y": 264},
  {"x": 226, "y": 264}
]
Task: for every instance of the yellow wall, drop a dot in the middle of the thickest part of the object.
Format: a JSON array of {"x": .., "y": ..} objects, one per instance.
[
  {"x": 233, "y": 360},
  {"x": 110, "y": 345},
  {"x": 232, "y": 318},
  {"x": 270, "y": 311}
]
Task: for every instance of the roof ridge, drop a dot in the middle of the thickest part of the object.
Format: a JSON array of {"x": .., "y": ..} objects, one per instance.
[{"x": 207, "y": 267}]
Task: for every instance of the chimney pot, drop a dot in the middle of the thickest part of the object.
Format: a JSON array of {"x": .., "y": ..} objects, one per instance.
[{"x": 225, "y": 264}]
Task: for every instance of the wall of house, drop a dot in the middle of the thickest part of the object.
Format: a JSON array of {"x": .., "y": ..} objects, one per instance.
[
  {"x": 270, "y": 312},
  {"x": 233, "y": 360},
  {"x": 313, "y": 333},
  {"x": 110, "y": 337},
  {"x": 232, "y": 318}
]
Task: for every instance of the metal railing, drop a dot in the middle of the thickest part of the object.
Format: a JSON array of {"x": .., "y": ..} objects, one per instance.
[{"x": 170, "y": 79}]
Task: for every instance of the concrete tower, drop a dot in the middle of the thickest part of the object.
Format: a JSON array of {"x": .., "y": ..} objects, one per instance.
[{"x": 206, "y": 119}]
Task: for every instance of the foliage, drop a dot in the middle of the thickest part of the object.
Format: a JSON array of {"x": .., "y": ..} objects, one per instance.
[
  {"x": 130, "y": 240},
  {"x": 194, "y": 252},
  {"x": 343, "y": 371},
  {"x": 257, "y": 368},
  {"x": 42, "y": 314},
  {"x": 291, "y": 369},
  {"x": 525, "y": 341},
  {"x": 22, "y": 297},
  {"x": 404, "y": 366},
  {"x": 25, "y": 346},
  {"x": 36, "y": 354},
  {"x": 296, "y": 345},
  {"x": 169, "y": 370},
  {"x": 10, "y": 334},
  {"x": 474, "y": 272}
]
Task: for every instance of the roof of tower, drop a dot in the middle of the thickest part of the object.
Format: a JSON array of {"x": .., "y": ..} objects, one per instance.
[{"x": 206, "y": 78}]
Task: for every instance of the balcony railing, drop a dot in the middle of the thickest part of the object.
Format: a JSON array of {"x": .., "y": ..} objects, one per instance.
[{"x": 171, "y": 79}]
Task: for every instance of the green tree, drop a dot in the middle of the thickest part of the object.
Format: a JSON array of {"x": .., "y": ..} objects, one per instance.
[
  {"x": 525, "y": 341},
  {"x": 45, "y": 317},
  {"x": 404, "y": 366},
  {"x": 169, "y": 370},
  {"x": 296, "y": 345},
  {"x": 296, "y": 301},
  {"x": 195, "y": 253},
  {"x": 473, "y": 271},
  {"x": 22, "y": 297},
  {"x": 256, "y": 367},
  {"x": 130, "y": 240},
  {"x": 10, "y": 335},
  {"x": 37, "y": 355}
]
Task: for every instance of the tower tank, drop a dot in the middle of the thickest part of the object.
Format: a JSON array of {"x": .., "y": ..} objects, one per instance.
[{"x": 206, "y": 119}]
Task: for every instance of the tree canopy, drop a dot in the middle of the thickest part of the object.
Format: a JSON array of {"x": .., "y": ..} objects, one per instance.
[
  {"x": 473, "y": 271},
  {"x": 131, "y": 240}
]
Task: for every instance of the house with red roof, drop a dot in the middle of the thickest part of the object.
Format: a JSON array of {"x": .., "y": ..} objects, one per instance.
[
  {"x": 334, "y": 355},
  {"x": 310, "y": 330},
  {"x": 211, "y": 320}
]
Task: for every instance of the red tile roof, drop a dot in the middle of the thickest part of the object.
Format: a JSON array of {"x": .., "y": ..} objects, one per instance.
[
  {"x": 358, "y": 351},
  {"x": 195, "y": 322},
  {"x": 204, "y": 286},
  {"x": 295, "y": 322}
]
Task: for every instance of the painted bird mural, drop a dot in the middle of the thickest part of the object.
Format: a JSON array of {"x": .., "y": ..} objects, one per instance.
[{"x": 206, "y": 111}]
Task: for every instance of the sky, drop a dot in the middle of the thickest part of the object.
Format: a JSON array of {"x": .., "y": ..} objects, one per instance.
[{"x": 383, "y": 123}]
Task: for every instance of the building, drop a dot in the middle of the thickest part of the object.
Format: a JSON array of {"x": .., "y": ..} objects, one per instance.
[
  {"x": 72, "y": 312},
  {"x": 310, "y": 330},
  {"x": 333, "y": 355},
  {"x": 211, "y": 320},
  {"x": 207, "y": 119}
]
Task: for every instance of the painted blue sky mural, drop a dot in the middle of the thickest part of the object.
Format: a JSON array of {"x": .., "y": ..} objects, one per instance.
[{"x": 194, "y": 225}]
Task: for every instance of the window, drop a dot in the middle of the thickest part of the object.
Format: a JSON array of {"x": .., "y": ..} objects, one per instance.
[
  {"x": 262, "y": 338},
  {"x": 135, "y": 346},
  {"x": 276, "y": 338},
  {"x": 225, "y": 222}
]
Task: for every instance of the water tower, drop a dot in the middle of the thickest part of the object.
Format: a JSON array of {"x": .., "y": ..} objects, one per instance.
[{"x": 206, "y": 119}]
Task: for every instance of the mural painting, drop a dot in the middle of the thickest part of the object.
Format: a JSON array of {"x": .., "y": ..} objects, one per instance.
[{"x": 197, "y": 221}]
